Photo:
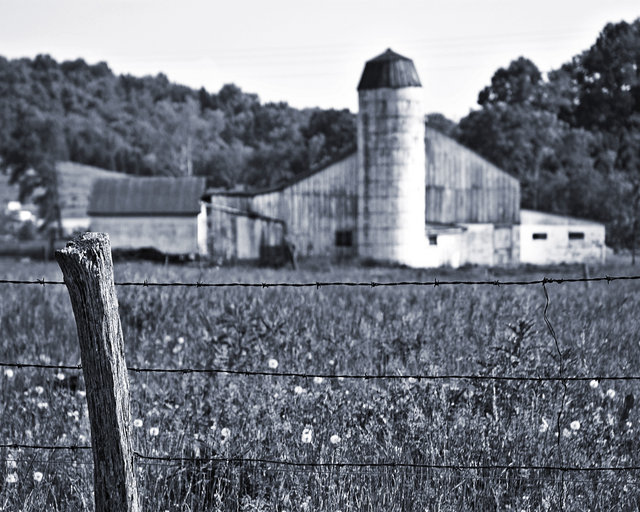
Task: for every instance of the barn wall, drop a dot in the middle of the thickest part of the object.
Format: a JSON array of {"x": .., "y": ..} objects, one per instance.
[
  {"x": 558, "y": 247},
  {"x": 170, "y": 235},
  {"x": 462, "y": 187},
  {"x": 235, "y": 236},
  {"x": 316, "y": 208}
]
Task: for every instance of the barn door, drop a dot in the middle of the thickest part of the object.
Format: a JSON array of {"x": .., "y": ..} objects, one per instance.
[{"x": 502, "y": 245}]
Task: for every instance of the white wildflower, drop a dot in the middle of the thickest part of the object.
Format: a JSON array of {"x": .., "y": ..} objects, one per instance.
[
  {"x": 81, "y": 393},
  {"x": 42, "y": 405},
  {"x": 298, "y": 390},
  {"x": 575, "y": 425},
  {"x": 8, "y": 373},
  {"x": 307, "y": 435},
  {"x": 39, "y": 390},
  {"x": 611, "y": 393},
  {"x": 177, "y": 349},
  {"x": 225, "y": 433},
  {"x": 628, "y": 424},
  {"x": 180, "y": 340},
  {"x": 11, "y": 478},
  {"x": 544, "y": 426},
  {"x": 566, "y": 433},
  {"x": 154, "y": 431},
  {"x": 60, "y": 376},
  {"x": 137, "y": 423},
  {"x": 273, "y": 363},
  {"x": 318, "y": 380},
  {"x": 37, "y": 476},
  {"x": 12, "y": 464},
  {"x": 167, "y": 338},
  {"x": 335, "y": 439},
  {"x": 593, "y": 384}
]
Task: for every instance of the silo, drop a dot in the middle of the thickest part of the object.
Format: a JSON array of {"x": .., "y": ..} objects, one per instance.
[{"x": 391, "y": 162}]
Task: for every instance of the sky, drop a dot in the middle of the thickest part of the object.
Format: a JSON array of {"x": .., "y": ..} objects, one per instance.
[{"x": 310, "y": 54}]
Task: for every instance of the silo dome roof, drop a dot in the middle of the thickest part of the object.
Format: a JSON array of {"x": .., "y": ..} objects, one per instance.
[{"x": 389, "y": 69}]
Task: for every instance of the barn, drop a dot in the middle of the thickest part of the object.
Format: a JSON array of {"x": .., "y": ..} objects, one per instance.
[
  {"x": 408, "y": 195},
  {"x": 165, "y": 214}
]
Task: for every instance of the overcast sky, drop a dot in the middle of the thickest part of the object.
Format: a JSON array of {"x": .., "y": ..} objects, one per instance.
[{"x": 310, "y": 53}]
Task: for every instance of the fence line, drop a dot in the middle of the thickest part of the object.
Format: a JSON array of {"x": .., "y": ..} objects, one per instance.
[
  {"x": 311, "y": 464},
  {"x": 114, "y": 339},
  {"x": 347, "y": 376},
  {"x": 353, "y": 284}
]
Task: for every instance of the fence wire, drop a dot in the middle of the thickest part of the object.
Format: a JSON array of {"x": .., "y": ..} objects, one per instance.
[
  {"x": 352, "y": 284},
  {"x": 290, "y": 465}
]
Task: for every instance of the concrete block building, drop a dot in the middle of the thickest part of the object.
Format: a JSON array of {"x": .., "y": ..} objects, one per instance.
[{"x": 408, "y": 195}]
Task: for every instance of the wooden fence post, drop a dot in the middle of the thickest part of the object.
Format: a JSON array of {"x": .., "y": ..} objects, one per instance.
[{"x": 88, "y": 273}]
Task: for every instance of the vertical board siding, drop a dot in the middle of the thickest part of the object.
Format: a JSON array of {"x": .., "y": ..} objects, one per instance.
[
  {"x": 464, "y": 187},
  {"x": 315, "y": 208}
]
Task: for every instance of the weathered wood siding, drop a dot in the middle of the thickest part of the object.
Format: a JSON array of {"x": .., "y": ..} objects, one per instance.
[
  {"x": 167, "y": 234},
  {"x": 463, "y": 187},
  {"x": 237, "y": 236},
  {"x": 315, "y": 208}
]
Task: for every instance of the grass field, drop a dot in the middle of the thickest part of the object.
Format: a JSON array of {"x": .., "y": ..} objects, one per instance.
[{"x": 408, "y": 330}]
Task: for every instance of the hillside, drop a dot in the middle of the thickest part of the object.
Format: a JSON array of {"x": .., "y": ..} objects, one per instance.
[
  {"x": 75, "y": 181},
  {"x": 150, "y": 126}
]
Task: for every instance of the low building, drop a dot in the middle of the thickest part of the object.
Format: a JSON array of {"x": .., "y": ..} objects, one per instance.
[
  {"x": 546, "y": 238},
  {"x": 165, "y": 214}
]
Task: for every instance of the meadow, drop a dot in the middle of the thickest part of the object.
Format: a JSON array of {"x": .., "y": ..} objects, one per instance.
[{"x": 486, "y": 330}]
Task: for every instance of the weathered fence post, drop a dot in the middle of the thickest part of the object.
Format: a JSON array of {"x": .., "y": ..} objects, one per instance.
[{"x": 88, "y": 273}]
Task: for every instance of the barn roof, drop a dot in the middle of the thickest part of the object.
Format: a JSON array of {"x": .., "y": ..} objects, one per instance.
[
  {"x": 389, "y": 70},
  {"x": 146, "y": 196}
]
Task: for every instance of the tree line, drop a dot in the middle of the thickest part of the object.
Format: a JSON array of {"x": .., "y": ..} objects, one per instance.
[{"x": 571, "y": 136}]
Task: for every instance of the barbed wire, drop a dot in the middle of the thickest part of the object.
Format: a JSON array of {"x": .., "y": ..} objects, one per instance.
[
  {"x": 355, "y": 284},
  {"x": 314, "y": 464},
  {"x": 346, "y": 376}
]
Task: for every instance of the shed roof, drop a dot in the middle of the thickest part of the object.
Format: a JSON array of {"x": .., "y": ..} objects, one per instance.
[
  {"x": 146, "y": 196},
  {"x": 389, "y": 70}
]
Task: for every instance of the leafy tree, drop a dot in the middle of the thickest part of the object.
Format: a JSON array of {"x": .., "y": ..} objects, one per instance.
[
  {"x": 30, "y": 157},
  {"x": 441, "y": 123},
  {"x": 518, "y": 84}
]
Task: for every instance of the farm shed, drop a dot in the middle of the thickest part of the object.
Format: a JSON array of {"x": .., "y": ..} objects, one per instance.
[
  {"x": 407, "y": 194},
  {"x": 547, "y": 239},
  {"x": 165, "y": 214}
]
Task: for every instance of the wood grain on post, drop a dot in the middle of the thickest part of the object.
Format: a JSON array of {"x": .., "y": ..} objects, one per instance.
[{"x": 88, "y": 273}]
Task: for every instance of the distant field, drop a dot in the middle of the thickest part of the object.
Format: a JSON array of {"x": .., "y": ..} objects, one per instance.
[{"x": 404, "y": 330}]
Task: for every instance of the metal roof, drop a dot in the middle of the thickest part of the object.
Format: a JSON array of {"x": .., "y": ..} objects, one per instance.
[
  {"x": 389, "y": 70},
  {"x": 146, "y": 196}
]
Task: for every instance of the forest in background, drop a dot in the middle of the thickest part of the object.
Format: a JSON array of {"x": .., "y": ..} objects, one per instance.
[{"x": 571, "y": 136}]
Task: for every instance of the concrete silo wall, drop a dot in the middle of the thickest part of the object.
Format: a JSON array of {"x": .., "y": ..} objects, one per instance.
[{"x": 391, "y": 175}]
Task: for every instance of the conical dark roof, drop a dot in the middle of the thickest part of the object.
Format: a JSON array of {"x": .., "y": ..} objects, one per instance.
[{"x": 389, "y": 69}]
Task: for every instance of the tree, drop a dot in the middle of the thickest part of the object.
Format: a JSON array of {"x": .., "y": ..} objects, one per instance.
[
  {"x": 628, "y": 163},
  {"x": 30, "y": 156},
  {"x": 519, "y": 84},
  {"x": 441, "y": 123}
]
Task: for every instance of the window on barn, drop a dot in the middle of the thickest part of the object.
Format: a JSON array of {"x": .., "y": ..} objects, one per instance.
[
  {"x": 344, "y": 238},
  {"x": 539, "y": 236},
  {"x": 433, "y": 239},
  {"x": 576, "y": 235}
]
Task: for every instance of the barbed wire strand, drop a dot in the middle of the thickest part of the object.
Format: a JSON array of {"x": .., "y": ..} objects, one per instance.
[
  {"x": 345, "y": 376},
  {"x": 312, "y": 464},
  {"x": 360, "y": 284}
]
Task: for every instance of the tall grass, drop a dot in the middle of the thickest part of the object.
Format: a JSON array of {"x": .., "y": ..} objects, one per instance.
[{"x": 334, "y": 330}]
